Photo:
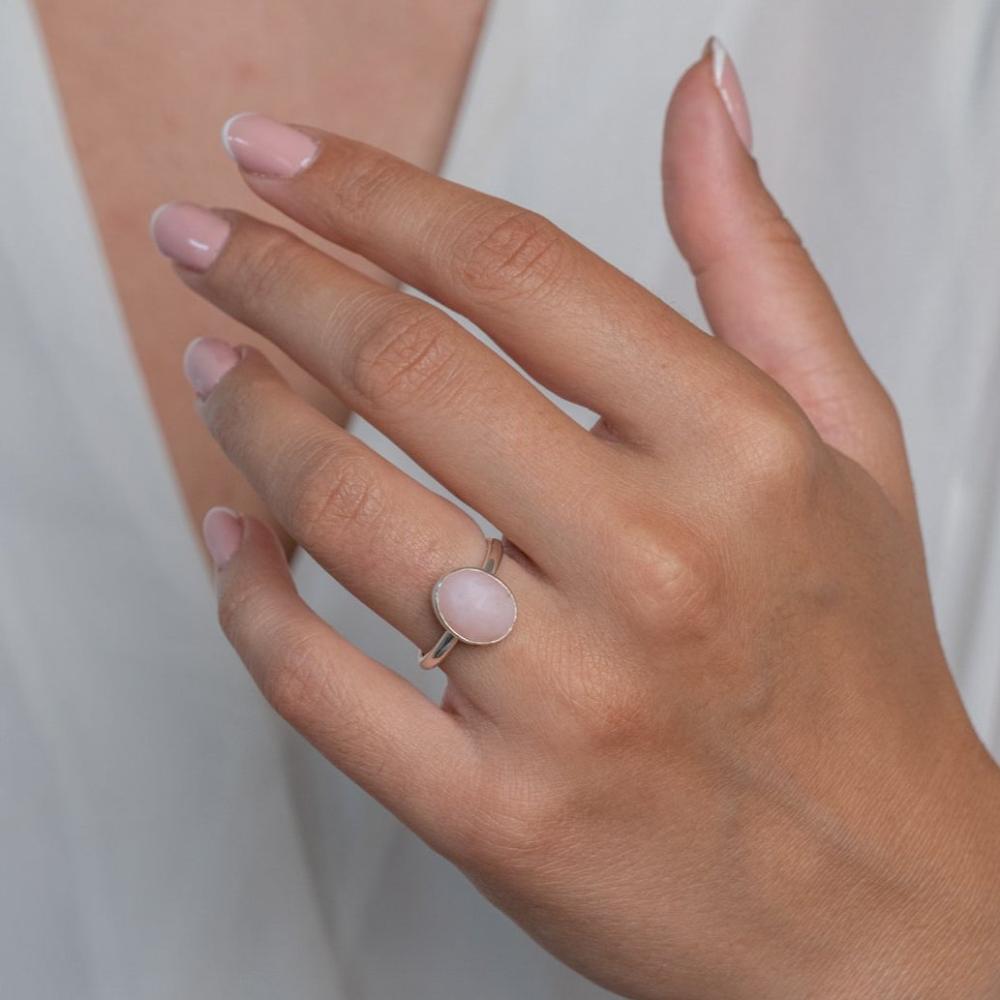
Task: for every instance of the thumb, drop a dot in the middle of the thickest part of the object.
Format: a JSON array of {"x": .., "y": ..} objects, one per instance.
[{"x": 761, "y": 293}]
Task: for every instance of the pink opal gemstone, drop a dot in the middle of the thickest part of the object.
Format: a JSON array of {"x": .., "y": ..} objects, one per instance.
[{"x": 475, "y": 605}]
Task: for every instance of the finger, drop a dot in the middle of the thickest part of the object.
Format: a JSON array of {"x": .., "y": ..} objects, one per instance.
[
  {"x": 454, "y": 405},
  {"x": 760, "y": 290},
  {"x": 574, "y": 322},
  {"x": 381, "y": 534},
  {"x": 374, "y": 726}
]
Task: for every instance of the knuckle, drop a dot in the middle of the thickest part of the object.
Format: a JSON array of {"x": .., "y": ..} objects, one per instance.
[
  {"x": 780, "y": 454},
  {"x": 667, "y": 581},
  {"x": 363, "y": 177},
  {"x": 509, "y": 251},
  {"x": 334, "y": 491},
  {"x": 293, "y": 683},
  {"x": 230, "y": 408},
  {"x": 777, "y": 232},
  {"x": 268, "y": 266},
  {"x": 521, "y": 823},
  {"x": 774, "y": 238},
  {"x": 607, "y": 714},
  {"x": 239, "y": 609},
  {"x": 886, "y": 409},
  {"x": 604, "y": 708},
  {"x": 412, "y": 357}
]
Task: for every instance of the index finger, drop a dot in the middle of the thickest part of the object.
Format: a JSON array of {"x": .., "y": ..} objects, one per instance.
[{"x": 576, "y": 323}]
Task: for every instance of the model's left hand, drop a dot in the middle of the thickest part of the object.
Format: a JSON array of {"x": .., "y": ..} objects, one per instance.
[{"x": 720, "y": 754}]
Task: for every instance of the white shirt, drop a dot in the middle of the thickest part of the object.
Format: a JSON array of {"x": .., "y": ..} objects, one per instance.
[{"x": 164, "y": 835}]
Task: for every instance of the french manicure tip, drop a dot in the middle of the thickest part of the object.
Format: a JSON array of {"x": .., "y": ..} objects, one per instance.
[
  {"x": 224, "y": 131},
  {"x": 222, "y": 530},
  {"x": 224, "y": 510},
  {"x": 153, "y": 216},
  {"x": 189, "y": 351},
  {"x": 719, "y": 54},
  {"x": 206, "y": 360}
]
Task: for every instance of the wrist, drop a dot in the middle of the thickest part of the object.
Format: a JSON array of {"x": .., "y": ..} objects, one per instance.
[{"x": 935, "y": 932}]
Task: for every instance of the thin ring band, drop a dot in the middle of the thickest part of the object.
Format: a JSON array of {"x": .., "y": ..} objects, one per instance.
[{"x": 449, "y": 639}]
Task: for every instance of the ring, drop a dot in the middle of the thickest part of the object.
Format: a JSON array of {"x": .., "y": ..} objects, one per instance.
[{"x": 473, "y": 605}]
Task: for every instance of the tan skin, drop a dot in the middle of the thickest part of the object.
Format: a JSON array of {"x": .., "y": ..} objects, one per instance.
[
  {"x": 721, "y": 754},
  {"x": 145, "y": 88}
]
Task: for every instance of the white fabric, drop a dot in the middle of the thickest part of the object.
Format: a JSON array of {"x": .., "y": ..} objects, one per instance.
[{"x": 162, "y": 834}]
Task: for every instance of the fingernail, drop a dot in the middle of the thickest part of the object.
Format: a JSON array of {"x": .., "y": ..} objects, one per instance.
[
  {"x": 188, "y": 234},
  {"x": 206, "y": 360},
  {"x": 222, "y": 530},
  {"x": 261, "y": 145},
  {"x": 727, "y": 82}
]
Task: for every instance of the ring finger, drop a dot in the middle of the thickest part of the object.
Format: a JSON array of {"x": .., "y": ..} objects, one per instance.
[{"x": 384, "y": 536}]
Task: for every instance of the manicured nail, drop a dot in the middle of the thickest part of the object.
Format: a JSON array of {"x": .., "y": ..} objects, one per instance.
[
  {"x": 222, "y": 530},
  {"x": 206, "y": 360},
  {"x": 727, "y": 82},
  {"x": 188, "y": 234},
  {"x": 261, "y": 145}
]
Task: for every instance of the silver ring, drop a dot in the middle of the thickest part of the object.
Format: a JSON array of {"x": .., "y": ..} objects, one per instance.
[{"x": 459, "y": 624}]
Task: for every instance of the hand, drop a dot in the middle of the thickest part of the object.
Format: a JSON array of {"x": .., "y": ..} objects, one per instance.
[{"x": 720, "y": 754}]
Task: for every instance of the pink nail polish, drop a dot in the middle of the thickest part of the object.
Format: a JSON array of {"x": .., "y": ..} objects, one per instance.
[
  {"x": 727, "y": 82},
  {"x": 263, "y": 146},
  {"x": 206, "y": 360},
  {"x": 222, "y": 530},
  {"x": 188, "y": 234}
]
